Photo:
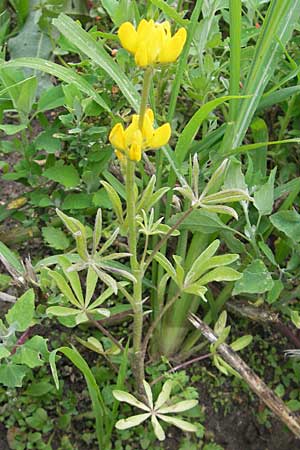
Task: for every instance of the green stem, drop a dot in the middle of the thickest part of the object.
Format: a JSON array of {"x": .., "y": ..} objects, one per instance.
[
  {"x": 145, "y": 94},
  {"x": 138, "y": 363}
]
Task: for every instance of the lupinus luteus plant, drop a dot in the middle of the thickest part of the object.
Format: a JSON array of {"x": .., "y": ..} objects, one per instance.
[{"x": 152, "y": 45}]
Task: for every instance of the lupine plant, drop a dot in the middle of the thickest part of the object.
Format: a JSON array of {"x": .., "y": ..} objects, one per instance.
[{"x": 186, "y": 277}]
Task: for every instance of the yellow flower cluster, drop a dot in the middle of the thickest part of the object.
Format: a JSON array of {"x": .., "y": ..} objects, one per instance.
[
  {"x": 152, "y": 42},
  {"x": 134, "y": 140}
]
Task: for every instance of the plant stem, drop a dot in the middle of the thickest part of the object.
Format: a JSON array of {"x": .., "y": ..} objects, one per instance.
[
  {"x": 156, "y": 321},
  {"x": 145, "y": 95},
  {"x": 138, "y": 363},
  {"x": 167, "y": 235},
  {"x": 105, "y": 332}
]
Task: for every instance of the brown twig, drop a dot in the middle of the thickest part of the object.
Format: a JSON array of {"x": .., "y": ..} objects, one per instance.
[
  {"x": 181, "y": 366},
  {"x": 22, "y": 339},
  {"x": 255, "y": 383},
  {"x": 105, "y": 332}
]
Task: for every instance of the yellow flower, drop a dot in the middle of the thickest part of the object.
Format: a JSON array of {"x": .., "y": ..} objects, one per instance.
[
  {"x": 133, "y": 141},
  {"x": 152, "y": 43}
]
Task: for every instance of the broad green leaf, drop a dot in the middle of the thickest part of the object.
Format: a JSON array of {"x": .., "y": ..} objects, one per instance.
[
  {"x": 66, "y": 175},
  {"x": 255, "y": 280},
  {"x": 274, "y": 293},
  {"x": 220, "y": 274},
  {"x": 39, "y": 389},
  {"x": 32, "y": 353},
  {"x": 241, "y": 342},
  {"x": 55, "y": 238},
  {"x": 264, "y": 196},
  {"x": 80, "y": 200},
  {"x": 203, "y": 221},
  {"x": 12, "y": 129},
  {"x": 11, "y": 375},
  {"x": 22, "y": 313},
  {"x": 288, "y": 222},
  {"x": 4, "y": 353}
]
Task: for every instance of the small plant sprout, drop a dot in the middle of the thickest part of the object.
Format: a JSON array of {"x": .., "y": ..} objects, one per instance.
[
  {"x": 157, "y": 410},
  {"x": 211, "y": 199}
]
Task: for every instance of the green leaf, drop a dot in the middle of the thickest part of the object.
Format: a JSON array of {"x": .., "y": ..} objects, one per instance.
[
  {"x": 274, "y": 293},
  {"x": 179, "y": 407},
  {"x": 132, "y": 421},
  {"x": 22, "y": 313},
  {"x": 33, "y": 353},
  {"x": 123, "y": 396},
  {"x": 99, "y": 408},
  {"x": 199, "y": 220},
  {"x": 62, "y": 311},
  {"x": 288, "y": 222},
  {"x": 115, "y": 200},
  {"x": 12, "y": 129},
  {"x": 3, "y": 352},
  {"x": 11, "y": 258},
  {"x": 295, "y": 317},
  {"x": 50, "y": 99},
  {"x": 11, "y": 375},
  {"x": 96, "y": 52},
  {"x": 256, "y": 279},
  {"x": 77, "y": 201},
  {"x": 55, "y": 238},
  {"x": 63, "y": 73},
  {"x": 164, "y": 394},
  {"x": 66, "y": 175},
  {"x": 179, "y": 423},
  {"x": 220, "y": 323},
  {"x": 220, "y": 274},
  {"x": 241, "y": 342},
  {"x": 191, "y": 129},
  {"x": 38, "y": 419},
  {"x": 39, "y": 389},
  {"x": 264, "y": 196}
]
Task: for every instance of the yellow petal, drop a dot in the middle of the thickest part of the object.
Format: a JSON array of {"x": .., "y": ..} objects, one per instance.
[
  {"x": 133, "y": 127},
  {"x": 135, "y": 152},
  {"x": 173, "y": 47},
  {"x": 148, "y": 130},
  {"x": 150, "y": 115},
  {"x": 160, "y": 136},
  {"x": 144, "y": 29},
  {"x": 141, "y": 55},
  {"x": 117, "y": 137},
  {"x": 166, "y": 27},
  {"x": 119, "y": 155},
  {"x": 128, "y": 37}
]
